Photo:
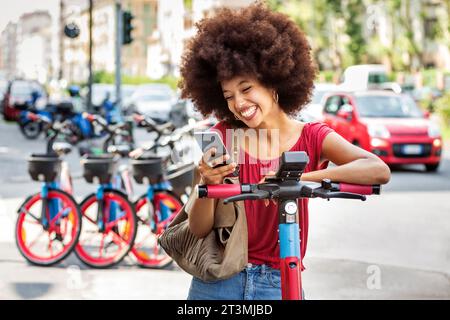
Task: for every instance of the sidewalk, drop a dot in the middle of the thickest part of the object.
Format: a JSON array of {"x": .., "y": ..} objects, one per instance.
[{"x": 324, "y": 279}]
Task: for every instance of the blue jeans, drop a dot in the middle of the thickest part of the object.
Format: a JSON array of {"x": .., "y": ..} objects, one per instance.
[{"x": 255, "y": 282}]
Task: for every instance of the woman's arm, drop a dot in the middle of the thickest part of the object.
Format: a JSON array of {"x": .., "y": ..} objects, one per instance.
[
  {"x": 354, "y": 165},
  {"x": 201, "y": 215}
]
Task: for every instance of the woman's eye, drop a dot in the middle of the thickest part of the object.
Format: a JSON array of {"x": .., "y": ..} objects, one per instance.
[
  {"x": 228, "y": 98},
  {"x": 246, "y": 89}
]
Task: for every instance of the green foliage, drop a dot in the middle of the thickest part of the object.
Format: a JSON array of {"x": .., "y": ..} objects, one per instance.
[
  {"x": 106, "y": 77},
  {"x": 103, "y": 77},
  {"x": 429, "y": 77},
  {"x": 326, "y": 76},
  {"x": 443, "y": 108},
  {"x": 354, "y": 29},
  {"x": 188, "y": 4}
]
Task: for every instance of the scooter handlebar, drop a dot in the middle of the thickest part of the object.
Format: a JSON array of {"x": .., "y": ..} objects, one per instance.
[
  {"x": 219, "y": 190},
  {"x": 360, "y": 189},
  {"x": 306, "y": 189}
]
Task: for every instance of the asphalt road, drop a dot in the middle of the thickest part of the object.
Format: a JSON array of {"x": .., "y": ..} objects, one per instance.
[{"x": 393, "y": 246}]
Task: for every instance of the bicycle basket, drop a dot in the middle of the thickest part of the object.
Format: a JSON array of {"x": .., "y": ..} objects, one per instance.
[
  {"x": 100, "y": 166},
  {"x": 44, "y": 167},
  {"x": 180, "y": 177},
  {"x": 149, "y": 167}
]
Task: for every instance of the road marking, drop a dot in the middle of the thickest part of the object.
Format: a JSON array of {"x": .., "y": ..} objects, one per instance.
[{"x": 4, "y": 149}]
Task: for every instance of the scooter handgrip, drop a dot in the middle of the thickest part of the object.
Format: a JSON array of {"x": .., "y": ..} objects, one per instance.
[
  {"x": 219, "y": 190},
  {"x": 359, "y": 189}
]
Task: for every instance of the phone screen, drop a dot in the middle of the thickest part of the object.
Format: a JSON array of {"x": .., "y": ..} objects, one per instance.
[{"x": 210, "y": 139}]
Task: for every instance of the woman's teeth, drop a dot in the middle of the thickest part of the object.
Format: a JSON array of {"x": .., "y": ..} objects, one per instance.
[{"x": 248, "y": 112}]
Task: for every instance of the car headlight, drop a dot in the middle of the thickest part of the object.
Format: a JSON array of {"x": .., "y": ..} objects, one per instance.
[
  {"x": 378, "y": 131},
  {"x": 434, "y": 131}
]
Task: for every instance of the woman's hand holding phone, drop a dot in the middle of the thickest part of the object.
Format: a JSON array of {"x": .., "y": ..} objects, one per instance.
[{"x": 215, "y": 171}]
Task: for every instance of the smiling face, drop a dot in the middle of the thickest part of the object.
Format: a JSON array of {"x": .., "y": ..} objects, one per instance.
[{"x": 250, "y": 101}]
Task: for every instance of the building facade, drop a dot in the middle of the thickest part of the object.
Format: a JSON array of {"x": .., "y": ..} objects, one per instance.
[
  {"x": 8, "y": 47},
  {"x": 34, "y": 46}
]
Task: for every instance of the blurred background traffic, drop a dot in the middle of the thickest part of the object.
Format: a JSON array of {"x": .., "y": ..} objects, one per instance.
[
  {"x": 383, "y": 83},
  {"x": 107, "y": 56}
]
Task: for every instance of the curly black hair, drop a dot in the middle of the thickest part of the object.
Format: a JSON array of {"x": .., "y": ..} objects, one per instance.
[{"x": 253, "y": 41}]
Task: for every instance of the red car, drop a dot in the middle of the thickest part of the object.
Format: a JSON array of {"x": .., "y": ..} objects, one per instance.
[
  {"x": 18, "y": 97},
  {"x": 388, "y": 124}
]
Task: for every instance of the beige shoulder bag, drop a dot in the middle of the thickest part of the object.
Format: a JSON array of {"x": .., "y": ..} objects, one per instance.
[{"x": 223, "y": 252}]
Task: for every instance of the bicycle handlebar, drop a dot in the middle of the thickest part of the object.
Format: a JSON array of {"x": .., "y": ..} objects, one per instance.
[
  {"x": 283, "y": 190},
  {"x": 111, "y": 130},
  {"x": 151, "y": 125},
  {"x": 36, "y": 117},
  {"x": 55, "y": 126}
]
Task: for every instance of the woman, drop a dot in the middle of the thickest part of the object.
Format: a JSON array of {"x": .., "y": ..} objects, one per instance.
[{"x": 252, "y": 69}]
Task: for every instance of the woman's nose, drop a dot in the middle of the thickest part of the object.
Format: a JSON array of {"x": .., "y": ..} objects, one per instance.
[{"x": 240, "y": 102}]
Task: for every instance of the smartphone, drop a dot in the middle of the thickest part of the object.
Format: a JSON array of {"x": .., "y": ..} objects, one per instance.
[{"x": 211, "y": 139}]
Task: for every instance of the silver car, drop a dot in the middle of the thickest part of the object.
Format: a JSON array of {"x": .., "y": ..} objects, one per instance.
[{"x": 154, "y": 100}]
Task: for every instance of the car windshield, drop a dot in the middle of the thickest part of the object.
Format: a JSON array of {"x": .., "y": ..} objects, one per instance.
[
  {"x": 317, "y": 96},
  {"x": 387, "y": 107},
  {"x": 378, "y": 78},
  {"x": 21, "y": 88}
]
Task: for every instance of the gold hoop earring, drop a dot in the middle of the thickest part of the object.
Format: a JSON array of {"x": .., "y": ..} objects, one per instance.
[{"x": 276, "y": 97}]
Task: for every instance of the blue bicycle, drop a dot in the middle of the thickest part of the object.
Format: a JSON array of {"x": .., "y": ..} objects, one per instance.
[
  {"x": 49, "y": 222},
  {"x": 109, "y": 219}
]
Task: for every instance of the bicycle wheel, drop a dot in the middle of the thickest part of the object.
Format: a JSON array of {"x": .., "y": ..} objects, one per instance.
[
  {"x": 153, "y": 219},
  {"x": 30, "y": 129},
  {"x": 47, "y": 245},
  {"x": 105, "y": 243}
]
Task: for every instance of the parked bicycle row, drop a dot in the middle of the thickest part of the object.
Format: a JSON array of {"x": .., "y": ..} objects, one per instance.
[{"x": 111, "y": 223}]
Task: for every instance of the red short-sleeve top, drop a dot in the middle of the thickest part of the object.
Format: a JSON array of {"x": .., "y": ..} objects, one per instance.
[{"x": 262, "y": 221}]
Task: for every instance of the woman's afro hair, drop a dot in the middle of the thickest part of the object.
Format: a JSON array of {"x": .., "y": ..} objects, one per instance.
[{"x": 253, "y": 41}]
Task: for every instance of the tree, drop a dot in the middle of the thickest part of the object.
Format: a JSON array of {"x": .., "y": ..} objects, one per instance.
[{"x": 354, "y": 14}]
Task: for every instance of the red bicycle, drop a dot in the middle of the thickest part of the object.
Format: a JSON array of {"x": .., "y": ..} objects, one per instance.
[
  {"x": 286, "y": 188},
  {"x": 49, "y": 222},
  {"x": 109, "y": 220}
]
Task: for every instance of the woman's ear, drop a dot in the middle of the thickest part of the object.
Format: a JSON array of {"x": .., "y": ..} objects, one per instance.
[{"x": 275, "y": 96}]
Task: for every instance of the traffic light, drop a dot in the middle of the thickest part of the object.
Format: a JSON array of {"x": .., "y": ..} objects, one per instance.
[
  {"x": 71, "y": 30},
  {"x": 127, "y": 18}
]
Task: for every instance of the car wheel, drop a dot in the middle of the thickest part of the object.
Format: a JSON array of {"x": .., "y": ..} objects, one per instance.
[{"x": 432, "y": 167}]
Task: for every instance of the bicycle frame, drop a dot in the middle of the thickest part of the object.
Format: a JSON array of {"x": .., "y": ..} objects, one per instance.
[
  {"x": 286, "y": 188},
  {"x": 50, "y": 217},
  {"x": 64, "y": 181},
  {"x": 165, "y": 211},
  {"x": 116, "y": 184},
  {"x": 47, "y": 216},
  {"x": 112, "y": 211}
]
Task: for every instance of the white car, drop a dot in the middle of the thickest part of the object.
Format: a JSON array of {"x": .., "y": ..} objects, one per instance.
[
  {"x": 154, "y": 101},
  {"x": 314, "y": 110}
]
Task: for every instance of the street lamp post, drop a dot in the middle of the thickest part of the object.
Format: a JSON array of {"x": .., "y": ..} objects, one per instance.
[
  {"x": 119, "y": 27},
  {"x": 89, "y": 96}
]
